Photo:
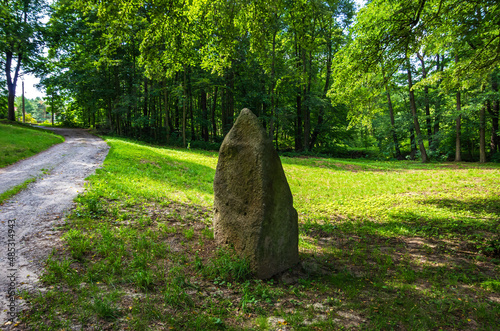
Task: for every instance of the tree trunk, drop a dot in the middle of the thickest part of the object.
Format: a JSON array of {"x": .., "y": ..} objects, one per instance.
[
  {"x": 494, "y": 114},
  {"x": 437, "y": 111},
  {"x": 230, "y": 100},
  {"x": 458, "y": 125},
  {"x": 273, "y": 87},
  {"x": 393, "y": 127},
  {"x": 190, "y": 104},
  {"x": 204, "y": 114},
  {"x": 482, "y": 135},
  {"x": 413, "y": 107},
  {"x": 495, "y": 139},
  {"x": 24, "y": 109},
  {"x": 298, "y": 123},
  {"x": 11, "y": 83},
  {"x": 228, "y": 103},
  {"x": 223, "y": 107},
  {"x": 458, "y": 129},
  {"x": 413, "y": 143},
  {"x": 214, "y": 104},
  {"x": 306, "y": 108},
  {"x": 391, "y": 115},
  {"x": 426, "y": 100},
  {"x": 184, "y": 111},
  {"x": 145, "y": 109},
  {"x": 167, "y": 110},
  {"x": 319, "y": 125},
  {"x": 52, "y": 110}
]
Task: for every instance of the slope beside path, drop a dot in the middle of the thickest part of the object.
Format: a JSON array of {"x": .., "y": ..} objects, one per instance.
[{"x": 29, "y": 220}]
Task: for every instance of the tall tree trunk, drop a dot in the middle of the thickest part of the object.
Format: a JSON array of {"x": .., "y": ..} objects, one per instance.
[
  {"x": 458, "y": 129},
  {"x": 298, "y": 123},
  {"x": 307, "y": 94},
  {"x": 413, "y": 143},
  {"x": 11, "y": 83},
  {"x": 52, "y": 109},
  {"x": 495, "y": 139},
  {"x": 184, "y": 110},
  {"x": 230, "y": 99},
  {"x": 228, "y": 102},
  {"x": 391, "y": 115},
  {"x": 458, "y": 125},
  {"x": 214, "y": 104},
  {"x": 273, "y": 87},
  {"x": 24, "y": 109},
  {"x": 190, "y": 104},
  {"x": 426, "y": 100},
  {"x": 319, "y": 125},
  {"x": 482, "y": 135},
  {"x": 393, "y": 126},
  {"x": 204, "y": 114},
  {"x": 413, "y": 107},
  {"x": 223, "y": 107},
  {"x": 145, "y": 107},
  {"x": 494, "y": 114},
  {"x": 437, "y": 111},
  {"x": 153, "y": 113},
  {"x": 167, "y": 109}
]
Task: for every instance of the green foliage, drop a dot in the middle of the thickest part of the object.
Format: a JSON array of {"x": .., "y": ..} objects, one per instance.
[
  {"x": 449, "y": 39},
  {"x": 184, "y": 79}
]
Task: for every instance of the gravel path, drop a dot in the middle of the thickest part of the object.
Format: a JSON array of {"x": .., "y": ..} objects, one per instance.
[{"x": 29, "y": 221}]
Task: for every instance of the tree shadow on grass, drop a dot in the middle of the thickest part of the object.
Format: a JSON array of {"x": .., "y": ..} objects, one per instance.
[
  {"x": 356, "y": 165},
  {"x": 399, "y": 282},
  {"x": 489, "y": 205}
]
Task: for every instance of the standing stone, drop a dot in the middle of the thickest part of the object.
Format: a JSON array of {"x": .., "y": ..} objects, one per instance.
[{"x": 253, "y": 202}]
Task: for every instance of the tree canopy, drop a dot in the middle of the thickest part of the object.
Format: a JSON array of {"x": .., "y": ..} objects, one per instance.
[{"x": 410, "y": 78}]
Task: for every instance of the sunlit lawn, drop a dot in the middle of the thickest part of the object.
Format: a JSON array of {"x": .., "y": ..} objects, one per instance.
[
  {"x": 19, "y": 141},
  {"x": 384, "y": 245}
]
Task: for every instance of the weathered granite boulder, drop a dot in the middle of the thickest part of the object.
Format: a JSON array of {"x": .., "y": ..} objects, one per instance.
[{"x": 253, "y": 202}]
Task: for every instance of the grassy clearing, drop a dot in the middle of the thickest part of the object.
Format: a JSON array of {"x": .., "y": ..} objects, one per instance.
[
  {"x": 19, "y": 141},
  {"x": 383, "y": 245}
]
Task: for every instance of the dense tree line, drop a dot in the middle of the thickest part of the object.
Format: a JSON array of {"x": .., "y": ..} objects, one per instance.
[
  {"x": 415, "y": 78},
  {"x": 432, "y": 67},
  {"x": 168, "y": 71},
  {"x": 20, "y": 45}
]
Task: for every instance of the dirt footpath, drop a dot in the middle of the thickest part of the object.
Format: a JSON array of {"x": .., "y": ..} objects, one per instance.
[{"x": 29, "y": 221}]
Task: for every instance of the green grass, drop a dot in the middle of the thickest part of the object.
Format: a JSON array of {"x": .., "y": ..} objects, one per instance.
[
  {"x": 18, "y": 141},
  {"x": 16, "y": 189},
  {"x": 383, "y": 245}
]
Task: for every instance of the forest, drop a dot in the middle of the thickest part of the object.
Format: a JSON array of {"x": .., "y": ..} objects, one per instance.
[
  {"x": 403, "y": 79},
  {"x": 113, "y": 225}
]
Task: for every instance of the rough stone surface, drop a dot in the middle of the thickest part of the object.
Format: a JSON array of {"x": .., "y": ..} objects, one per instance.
[{"x": 253, "y": 202}]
